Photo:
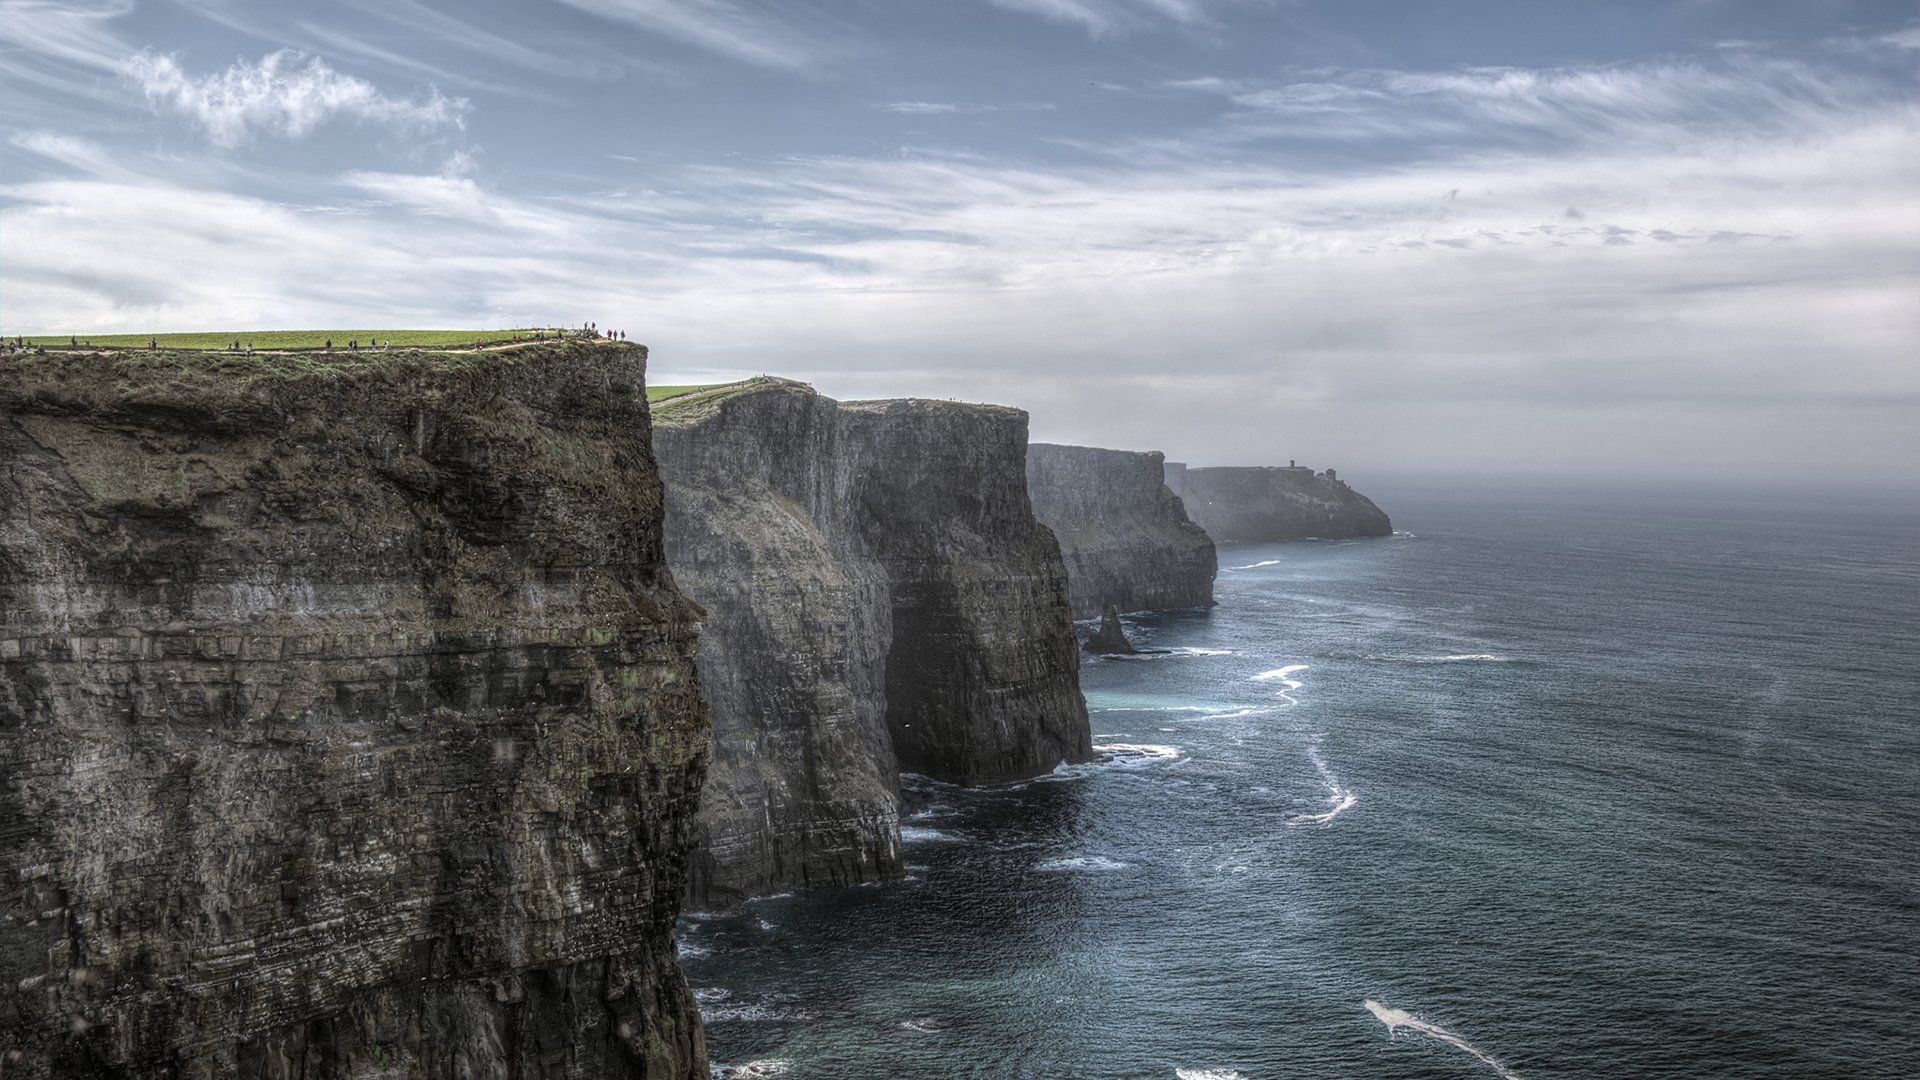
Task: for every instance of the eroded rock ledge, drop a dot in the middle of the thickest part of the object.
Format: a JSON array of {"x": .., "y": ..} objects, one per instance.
[
  {"x": 880, "y": 599},
  {"x": 348, "y": 719},
  {"x": 1125, "y": 536},
  {"x": 1266, "y": 504}
]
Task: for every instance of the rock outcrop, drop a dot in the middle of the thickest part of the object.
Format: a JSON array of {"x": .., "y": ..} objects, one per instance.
[
  {"x": 1111, "y": 638},
  {"x": 349, "y": 724},
  {"x": 880, "y": 599},
  {"x": 1263, "y": 504},
  {"x": 1125, "y": 536}
]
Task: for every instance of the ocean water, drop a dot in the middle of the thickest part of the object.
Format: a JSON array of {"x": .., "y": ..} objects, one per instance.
[{"x": 1545, "y": 785}]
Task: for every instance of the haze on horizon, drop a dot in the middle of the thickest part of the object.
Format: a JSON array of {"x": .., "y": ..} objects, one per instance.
[{"x": 1642, "y": 238}]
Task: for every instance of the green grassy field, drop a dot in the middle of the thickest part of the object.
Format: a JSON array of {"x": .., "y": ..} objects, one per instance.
[
  {"x": 290, "y": 339},
  {"x": 662, "y": 393}
]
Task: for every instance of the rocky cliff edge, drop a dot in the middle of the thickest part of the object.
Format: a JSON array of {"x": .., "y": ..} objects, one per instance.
[
  {"x": 880, "y": 599},
  {"x": 1125, "y": 536},
  {"x": 348, "y": 719}
]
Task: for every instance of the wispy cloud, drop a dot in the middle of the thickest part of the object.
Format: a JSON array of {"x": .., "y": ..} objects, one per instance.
[
  {"x": 751, "y": 33},
  {"x": 934, "y": 108},
  {"x": 1110, "y": 16},
  {"x": 1907, "y": 38},
  {"x": 959, "y": 108},
  {"x": 1736, "y": 88},
  {"x": 281, "y": 95},
  {"x": 75, "y": 32}
]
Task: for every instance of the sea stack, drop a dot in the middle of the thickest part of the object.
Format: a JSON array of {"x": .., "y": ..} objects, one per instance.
[
  {"x": 880, "y": 598},
  {"x": 349, "y": 723},
  {"x": 1111, "y": 638}
]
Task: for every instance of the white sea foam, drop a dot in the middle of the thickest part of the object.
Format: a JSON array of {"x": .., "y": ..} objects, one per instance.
[
  {"x": 1185, "y": 1073},
  {"x": 1136, "y": 755},
  {"x": 1082, "y": 862},
  {"x": 752, "y": 1070},
  {"x": 1114, "y": 756},
  {"x": 1457, "y": 658},
  {"x": 1339, "y": 799},
  {"x": 1284, "y": 676},
  {"x": 920, "y": 834},
  {"x": 1399, "y": 1019},
  {"x": 724, "y": 1013},
  {"x": 711, "y": 995},
  {"x": 1257, "y": 565},
  {"x": 1170, "y": 654},
  {"x": 718, "y": 1006},
  {"x": 1237, "y": 714},
  {"x": 924, "y": 1027}
]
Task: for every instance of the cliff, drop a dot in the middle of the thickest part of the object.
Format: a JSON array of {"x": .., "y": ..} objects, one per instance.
[
  {"x": 1124, "y": 535},
  {"x": 348, "y": 719},
  {"x": 880, "y": 598},
  {"x": 1265, "y": 504}
]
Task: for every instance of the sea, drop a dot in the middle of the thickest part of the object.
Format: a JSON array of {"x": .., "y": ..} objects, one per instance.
[{"x": 1553, "y": 782}]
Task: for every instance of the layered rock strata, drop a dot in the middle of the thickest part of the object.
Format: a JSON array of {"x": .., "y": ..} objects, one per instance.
[
  {"x": 1263, "y": 504},
  {"x": 880, "y": 599},
  {"x": 349, "y": 724},
  {"x": 1125, "y": 536}
]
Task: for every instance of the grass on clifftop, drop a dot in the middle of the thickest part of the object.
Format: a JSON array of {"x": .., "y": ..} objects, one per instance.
[
  {"x": 219, "y": 371},
  {"x": 290, "y": 339},
  {"x": 662, "y": 393}
]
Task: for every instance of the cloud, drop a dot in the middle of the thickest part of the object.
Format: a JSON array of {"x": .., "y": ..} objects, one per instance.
[
  {"x": 1907, "y": 38},
  {"x": 412, "y": 25},
  {"x": 733, "y": 29},
  {"x": 1667, "y": 99},
  {"x": 933, "y": 108},
  {"x": 75, "y": 32},
  {"x": 279, "y": 95},
  {"x": 1110, "y": 16},
  {"x": 82, "y": 155},
  {"x": 1443, "y": 305}
]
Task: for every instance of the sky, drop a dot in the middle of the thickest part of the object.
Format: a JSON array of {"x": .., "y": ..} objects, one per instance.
[{"x": 1675, "y": 239}]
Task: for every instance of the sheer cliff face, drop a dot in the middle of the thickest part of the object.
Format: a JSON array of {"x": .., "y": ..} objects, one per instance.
[
  {"x": 348, "y": 720},
  {"x": 1125, "y": 536},
  {"x": 879, "y": 598},
  {"x": 983, "y": 677},
  {"x": 762, "y": 529},
  {"x": 1262, "y": 505}
]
